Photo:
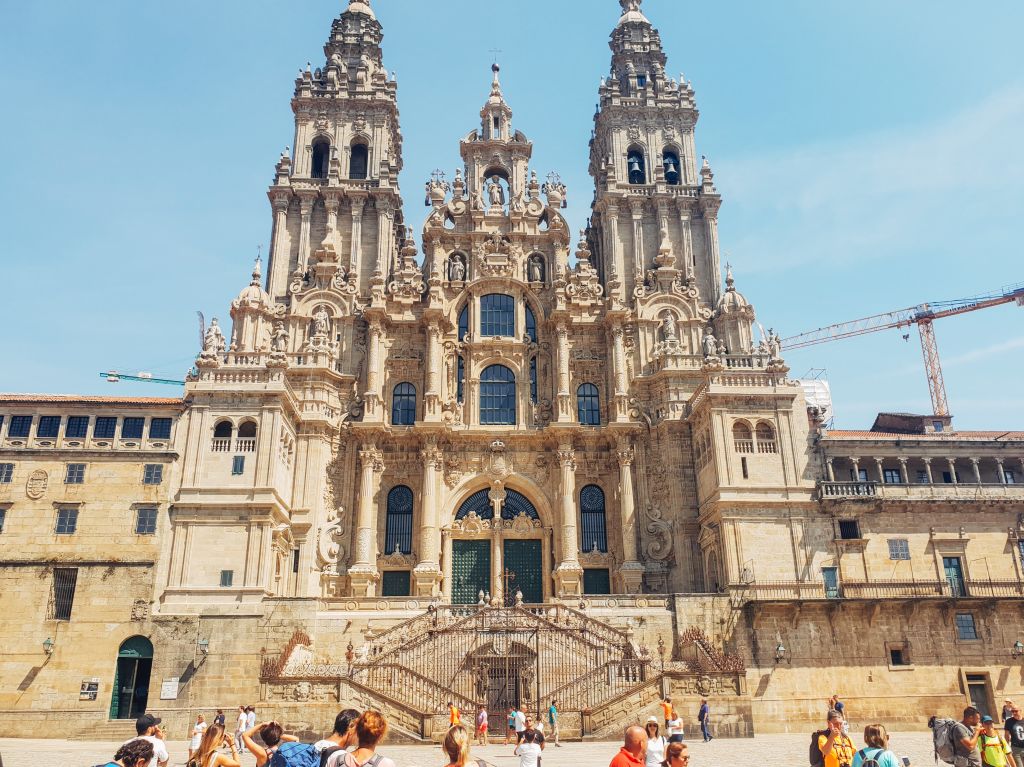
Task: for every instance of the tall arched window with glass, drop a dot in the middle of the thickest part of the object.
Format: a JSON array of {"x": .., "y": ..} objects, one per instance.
[
  {"x": 398, "y": 528},
  {"x": 497, "y": 396},
  {"x": 592, "y": 519},
  {"x": 533, "y": 380},
  {"x": 464, "y": 322},
  {"x": 497, "y": 315},
  {"x": 531, "y": 325},
  {"x": 588, "y": 405},
  {"x": 403, "y": 405}
]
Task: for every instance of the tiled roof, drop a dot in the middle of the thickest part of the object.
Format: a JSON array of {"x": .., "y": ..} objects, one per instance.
[
  {"x": 78, "y": 399},
  {"x": 949, "y": 436}
]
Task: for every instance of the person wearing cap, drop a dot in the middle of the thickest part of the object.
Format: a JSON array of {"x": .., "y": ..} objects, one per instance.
[
  {"x": 148, "y": 728},
  {"x": 656, "y": 743},
  {"x": 995, "y": 751}
]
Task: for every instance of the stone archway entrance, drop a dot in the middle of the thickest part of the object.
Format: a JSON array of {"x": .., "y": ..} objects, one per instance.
[{"x": 506, "y": 674}]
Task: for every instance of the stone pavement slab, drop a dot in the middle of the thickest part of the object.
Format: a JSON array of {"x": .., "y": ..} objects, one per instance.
[{"x": 769, "y": 750}]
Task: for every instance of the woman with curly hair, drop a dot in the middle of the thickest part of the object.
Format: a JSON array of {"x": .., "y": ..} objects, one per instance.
[{"x": 134, "y": 753}]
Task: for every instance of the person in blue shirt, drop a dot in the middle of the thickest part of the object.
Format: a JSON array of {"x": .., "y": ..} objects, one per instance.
[
  {"x": 876, "y": 747},
  {"x": 704, "y": 717}
]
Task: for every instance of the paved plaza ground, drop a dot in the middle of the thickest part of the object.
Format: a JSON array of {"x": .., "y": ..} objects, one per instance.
[{"x": 770, "y": 750}]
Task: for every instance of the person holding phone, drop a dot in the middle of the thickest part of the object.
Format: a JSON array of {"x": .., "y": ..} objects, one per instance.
[{"x": 207, "y": 755}]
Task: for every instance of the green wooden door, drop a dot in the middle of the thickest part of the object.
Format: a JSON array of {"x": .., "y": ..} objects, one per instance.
[
  {"x": 523, "y": 558},
  {"x": 471, "y": 571}
]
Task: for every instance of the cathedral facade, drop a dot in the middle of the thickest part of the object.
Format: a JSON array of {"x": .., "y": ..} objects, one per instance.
[{"x": 497, "y": 417}]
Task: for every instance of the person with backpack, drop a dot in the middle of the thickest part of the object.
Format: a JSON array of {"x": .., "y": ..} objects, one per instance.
[
  {"x": 876, "y": 750},
  {"x": 371, "y": 728},
  {"x": 341, "y": 738},
  {"x": 995, "y": 751},
  {"x": 834, "y": 749},
  {"x": 965, "y": 736},
  {"x": 281, "y": 750},
  {"x": 135, "y": 753}
]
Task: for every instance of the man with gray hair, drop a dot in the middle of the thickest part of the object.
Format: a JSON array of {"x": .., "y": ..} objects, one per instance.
[
  {"x": 634, "y": 748},
  {"x": 836, "y": 748}
]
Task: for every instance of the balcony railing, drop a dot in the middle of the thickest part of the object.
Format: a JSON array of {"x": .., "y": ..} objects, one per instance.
[
  {"x": 939, "y": 491},
  {"x": 800, "y": 591},
  {"x": 245, "y": 445},
  {"x": 221, "y": 445}
]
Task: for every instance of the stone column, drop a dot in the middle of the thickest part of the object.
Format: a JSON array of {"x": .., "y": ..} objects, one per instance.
[
  {"x": 1000, "y": 471},
  {"x": 687, "y": 238},
  {"x": 306, "y": 200},
  {"x": 384, "y": 237},
  {"x": 714, "y": 260},
  {"x": 569, "y": 575},
  {"x": 428, "y": 571},
  {"x": 363, "y": 574},
  {"x": 977, "y": 470},
  {"x": 621, "y": 401},
  {"x": 372, "y": 397},
  {"x": 903, "y": 470},
  {"x": 856, "y": 468},
  {"x": 432, "y": 398},
  {"x": 952, "y": 470},
  {"x": 279, "y": 255},
  {"x": 615, "y": 247},
  {"x": 356, "y": 252},
  {"x": 563, "y": 411},
  {"x": 636, "y": 208},
  {"x": 928, "y": 470},
  {"x": 881, "y": 476},
  {"x": 446, "y": 563},
  {"x": 332, "y": 201},
  {"x": 631, "y": 572},
  {"x": 497, "y": 498},
  {"x": 829, "y": 471}
]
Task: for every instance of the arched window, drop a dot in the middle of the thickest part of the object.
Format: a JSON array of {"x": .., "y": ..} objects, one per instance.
[
  {"x": 398, "y": 529},
  {"x": 222, "y": 430},
  {"x": 497, "y": 315},
  {"x": 588, "y": 406},
  {"x": 358, "y": 161},
  {"x": 636, "y": 166},
  {"x": 531, "y": 325},
  {"x": 460, "y": 382},
  {"x": 497, "y": 396},
  {"x": 464, "y": 322},
  {"x": 592, "y": 522},
  {"x": 673, "y": 172},
  {"x": 247, "y": 430},
  {"x": 321, "y": 158},
  {"x": 246, "y": 442},
  {"x": 479, "y": 503},
  {"x": 765, "y": 438},
  {"x": 516, "y": 503},
  {"x": 743, "y": 441},
  {"x": 533, "y": 380},
  {"x": 403, "y": 405}
]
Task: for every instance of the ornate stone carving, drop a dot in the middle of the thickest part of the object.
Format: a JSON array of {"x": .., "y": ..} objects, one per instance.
[
  {"x": 35, "y": 485},
  {"x": 659, "y": 549}
]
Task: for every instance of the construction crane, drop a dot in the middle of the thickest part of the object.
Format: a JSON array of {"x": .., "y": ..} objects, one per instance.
[
  {"x": 922, "y": 315},
  {"x": 113, "y": 376}
]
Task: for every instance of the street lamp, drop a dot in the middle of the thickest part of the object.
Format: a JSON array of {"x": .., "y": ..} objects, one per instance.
[
  {"x": 204, "y": 646},
  {"x": 48, "y": 646},
  {"x": 1017, "y": 650},
  {"x": 780, "y": 653}
]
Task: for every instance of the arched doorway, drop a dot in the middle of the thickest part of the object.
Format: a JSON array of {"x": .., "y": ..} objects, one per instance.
[{"x": 131, "y": 678}]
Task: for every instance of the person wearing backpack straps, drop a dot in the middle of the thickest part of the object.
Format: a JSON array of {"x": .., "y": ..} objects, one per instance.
[
  {"x": 876, "y": 751},
  {"x": 371, "y": 728},
  {"x": 135, "y": 753},
  {"x": 966, "y": 735},
  {"x": 342, "y": 737},
  {"x": 834, "y": 748},
  {"x": 280, "y": 750},
  {"x": 995, "y": 751}
]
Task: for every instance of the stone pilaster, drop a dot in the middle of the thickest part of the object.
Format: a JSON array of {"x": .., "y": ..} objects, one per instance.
[
  {"x": 363, "y": 575},
  {"x": 631, "y": 572},
  {"x": 427, "y": 574},
  {"x": 569, "y": 575}
]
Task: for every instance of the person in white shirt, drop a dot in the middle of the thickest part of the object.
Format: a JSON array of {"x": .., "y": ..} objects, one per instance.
[
  {"x": 147, "y": 728},
  {"x": 520, "y": 725},
  {"x": 656, "y": 743},
  {"x": 528, "y": 751},
  {"x": 675, "y": 728},
  {"x": 197, "y": 735},
  {"x": 250, "y": 718},
  {"x": 240, "y": 728}
]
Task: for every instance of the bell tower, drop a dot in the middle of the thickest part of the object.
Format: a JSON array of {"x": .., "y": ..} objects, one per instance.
[
  {"x": 338, "y": 190},
  {"x": 655, "y": 209}
]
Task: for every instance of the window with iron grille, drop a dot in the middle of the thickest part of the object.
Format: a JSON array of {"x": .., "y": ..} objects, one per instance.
[
  {"x": 145, "y": 521},
  {"x": 104, "y": 428},
  {"x": 922, "y": 476},
  {"x": 3, "y": 518},
  {"x": 227, "y": 578},
  {"x": 892, "y": 476},
  {"x": 479, "y": 503},
  {"x": 63, "y": 598},
  {"x": 497, "y": 315},
  {"x": 48, "y": 426},
  {"x": 899, "y": 548},
  {"x": 6, "y": 472},
  {"x": 403, "y": 405},
  {"x": 238, "y": 465},
  {"x": 78, "y": 427},
  {"x": 497, "y": 396},
  {"x": 67, "y": 520},
  {"x": 849, "y": 529},
  {"x": 20, "y": 426},
  {"x": 160, "y": 428},
  {"x": 592, "y": 519},
  {"x": 152, "y": 474},
  {"x": 131, "y": 428},
  {"x": 965, "y": 627},
  {"x": 75, "y": 474},
  {"x": 395, "y": 583},
  {"x": 398, "y": 532},
  {"x": 588, "y": 406}
]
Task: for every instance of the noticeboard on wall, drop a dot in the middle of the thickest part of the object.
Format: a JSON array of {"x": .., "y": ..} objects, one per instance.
[{"x": 90, "y": 689}]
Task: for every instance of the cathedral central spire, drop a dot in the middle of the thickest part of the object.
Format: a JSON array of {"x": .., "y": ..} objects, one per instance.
[
  {"x": 496, "y": 116},
  {"x": 631, "y": 12}
]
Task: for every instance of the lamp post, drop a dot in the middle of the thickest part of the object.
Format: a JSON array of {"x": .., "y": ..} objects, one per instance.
[
  {"x": 204, "y": 646},
  {"x": 781, "y": 653},
  {"x": 1017, "y": 650},
  {"x": 48, "y": 646}
]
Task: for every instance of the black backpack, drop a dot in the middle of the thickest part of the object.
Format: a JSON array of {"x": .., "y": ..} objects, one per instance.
[
  {"x": 814, "y": 755},
  {"x": 866, "y": 761},
  {"x": 326, "y": 754}
]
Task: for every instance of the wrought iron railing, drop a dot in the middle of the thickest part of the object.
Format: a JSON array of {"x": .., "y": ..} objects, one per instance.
[{"x": 777, "y": 591}]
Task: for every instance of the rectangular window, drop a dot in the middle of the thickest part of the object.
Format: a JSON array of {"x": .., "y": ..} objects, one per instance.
[
  {"x": 48, "y": 426},
  {"x": 131, "y": 428},
  {"x": 965, "y": 628},
  {"x": 160, "y": 428},
  {"x": 937, "y": 426},
  {"x": 145, "y": 521},
  {"x": 20, "y": 426},
  {"x": 395, "y": 583},
  {"x": 892, "y": 476},
  {"x": 1011, "y": 477},
  {"x": 227, "y": 577},
  {"x": 104, "y": 428},
  {"x": 3, "y": 518},
  {"x": 295, "y": 560},
  {"x": 497, "y": 315},
  {"x": 75, "y": 474},
  {"x": 152, "y": 474},
  {"x": 64, "y": 581},
  {"x": 597, "y": 581},
  {"x": 830, "y": 576},
  {"x": 849, "y": 529},
  {"x": 238, "y": 465},
  {"x": 641, "y": 81},
  {"x": 67, "y": 520},
  {"x": 6, "y": 472},
  {"x": 899, "y": 548},
  {"x": 78, "y": 427},
  {"x": 922, "y": 476},
  {"x": 743, "y": 466},
  {"x": 897, "y": 657}
]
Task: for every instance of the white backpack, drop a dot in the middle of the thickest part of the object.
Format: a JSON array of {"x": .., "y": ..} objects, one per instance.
[{"x": 944, "y": 739}]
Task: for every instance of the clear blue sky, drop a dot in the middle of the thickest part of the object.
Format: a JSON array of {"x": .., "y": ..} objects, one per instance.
[{"x": 869, "y": 155}]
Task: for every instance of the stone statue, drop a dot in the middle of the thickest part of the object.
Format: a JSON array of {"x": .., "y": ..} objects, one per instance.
[
  {"x": 321, "y": 322},
  {"x": 710, "y": 343},
  {"x": 669, "y": 328},
  {"x": 536, "y": 269},
  {"x": 280, "y": 338},
  {"x": 213, "y": 340},
  {"x": 518, "y": 203},
  {"x": 774, "y": 345},
  {"x": 478, "y": 200},
  {"x": 456, "y": 269},
  {"x": 495, "y": 193}
]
